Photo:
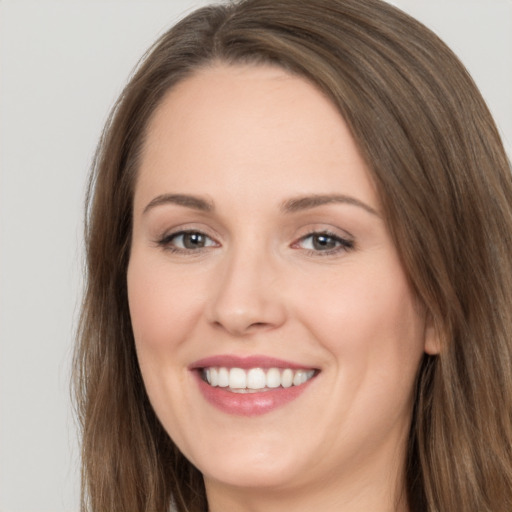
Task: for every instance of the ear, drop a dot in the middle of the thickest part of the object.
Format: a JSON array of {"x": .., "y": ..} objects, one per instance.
[{"x": 432, "y": 336}]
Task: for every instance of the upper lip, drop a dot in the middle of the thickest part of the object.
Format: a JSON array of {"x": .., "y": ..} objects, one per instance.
[{"x": 246, "y": 362}]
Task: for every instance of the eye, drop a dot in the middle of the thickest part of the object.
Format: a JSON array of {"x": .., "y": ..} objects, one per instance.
[
  {"x": 187, "y": 241},
  {"x": 324, "y": 242}
]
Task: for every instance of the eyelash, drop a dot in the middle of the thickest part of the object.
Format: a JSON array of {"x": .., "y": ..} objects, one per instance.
[
  {"x": 341, "y": 244},
  {"x": 167, "y": 242}
]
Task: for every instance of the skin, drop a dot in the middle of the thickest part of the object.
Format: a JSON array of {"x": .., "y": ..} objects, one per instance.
[{"x": 247, "y": 139}]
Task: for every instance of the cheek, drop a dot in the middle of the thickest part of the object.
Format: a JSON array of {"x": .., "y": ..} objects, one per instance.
[
  {"x": 369, "y": 321},
  {"x": 163, "y": 308},
  {"x": 370, "y": 324},
  {"x": 162, "y": 313}
]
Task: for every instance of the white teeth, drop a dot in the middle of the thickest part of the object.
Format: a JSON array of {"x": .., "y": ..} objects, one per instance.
[
  {"x": 238, "y": 379},
  {"x": 287, "y": 378},
  {"x": 273, "y": 378},
  {"x": 299, "y": 378},
  {"x": 223, "y": 381},
  {"x": 255, "y": 378},
  {"x": 212, "y": 376}
]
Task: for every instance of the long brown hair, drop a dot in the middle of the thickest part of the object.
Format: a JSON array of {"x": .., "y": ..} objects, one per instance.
[{"x": 445, "y": 184}]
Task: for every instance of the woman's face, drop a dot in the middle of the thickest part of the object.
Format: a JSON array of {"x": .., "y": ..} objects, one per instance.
[{"x": 260, "y": 259}]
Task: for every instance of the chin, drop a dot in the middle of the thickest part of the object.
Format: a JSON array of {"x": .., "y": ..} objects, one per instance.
[
  {"x": 250, "y": 478},
  {"x": 251, "y": 472}
]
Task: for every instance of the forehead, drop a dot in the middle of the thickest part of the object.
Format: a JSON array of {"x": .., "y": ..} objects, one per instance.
[{"x": 257, "y": 126}]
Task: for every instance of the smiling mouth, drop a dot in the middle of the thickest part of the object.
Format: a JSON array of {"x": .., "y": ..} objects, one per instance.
[{"x": 255, "y": 380}]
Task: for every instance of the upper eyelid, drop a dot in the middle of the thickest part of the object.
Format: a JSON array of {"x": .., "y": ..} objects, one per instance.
[
  {"x": 186, "y": 228},
  {"x": 327, "y": 229},
  {"x": 179, "y": 232},
  {"x": 345, "y": 240},
  {"x": 325, "y": 233}
]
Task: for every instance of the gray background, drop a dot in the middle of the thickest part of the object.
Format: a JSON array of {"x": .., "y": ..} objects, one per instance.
[{"x": 62, "y": 64}]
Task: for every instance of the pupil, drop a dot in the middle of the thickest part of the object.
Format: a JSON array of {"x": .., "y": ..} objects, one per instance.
[
  {"x": 323, "y": 242},
  {"x": 193, "y": 240}
]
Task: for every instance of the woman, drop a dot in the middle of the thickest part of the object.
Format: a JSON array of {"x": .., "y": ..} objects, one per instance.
[{"x": 299, "y": 277}]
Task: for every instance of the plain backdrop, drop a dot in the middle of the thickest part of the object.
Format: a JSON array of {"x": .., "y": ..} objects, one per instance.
[{"x": 62, "y": 64}]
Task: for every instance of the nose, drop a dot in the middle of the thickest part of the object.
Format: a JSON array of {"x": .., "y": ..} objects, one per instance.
[{"x": 247, "y": 295}]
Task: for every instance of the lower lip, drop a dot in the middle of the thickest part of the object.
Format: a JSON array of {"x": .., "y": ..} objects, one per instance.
[{"x": 249, "y": 404}]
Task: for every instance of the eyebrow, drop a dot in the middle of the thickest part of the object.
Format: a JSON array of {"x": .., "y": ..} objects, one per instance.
[
  {"x": 289, "y": 206},
  {"x": 313, "y": 201},
  {"x": 194, "y": 202}
]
